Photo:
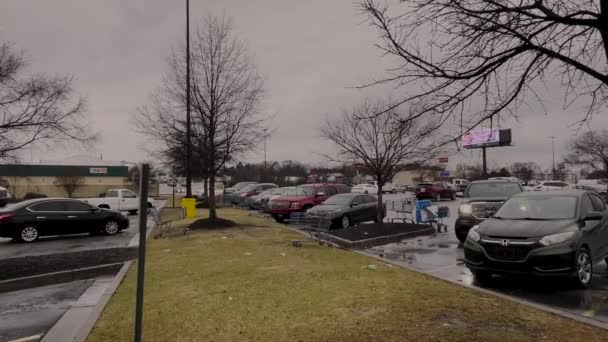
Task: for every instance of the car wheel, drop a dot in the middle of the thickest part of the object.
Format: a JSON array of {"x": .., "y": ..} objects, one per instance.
[
  {"x": 344, "y": 221},
  {"x": 132, "y": 212},
  {"x": 584, "y": 268},
  {"x": 28, "y": 234},
  {"x": 453, "y": 196},
  {"x": 111, "y": 227},
  {"x": 437, "y": 197},
  {"x": 366, "y": 192},
  {"x": 279, "y": 219}
]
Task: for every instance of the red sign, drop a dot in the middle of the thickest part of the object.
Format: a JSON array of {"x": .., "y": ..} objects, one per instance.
[{"x": 443, "y": 159}]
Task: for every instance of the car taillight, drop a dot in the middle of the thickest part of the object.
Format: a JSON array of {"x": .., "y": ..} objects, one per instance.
[{"x": 4, "y": 218}]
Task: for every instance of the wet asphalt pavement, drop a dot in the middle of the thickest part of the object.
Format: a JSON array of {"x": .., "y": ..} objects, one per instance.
[
  {"x": 31, "y": 312},
  {"x": 440, "y": 255}
]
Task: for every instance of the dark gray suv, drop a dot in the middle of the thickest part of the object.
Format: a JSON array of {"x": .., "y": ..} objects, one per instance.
[{"x": 482, "y": 199}]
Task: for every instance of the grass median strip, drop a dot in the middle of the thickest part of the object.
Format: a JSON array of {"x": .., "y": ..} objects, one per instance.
[{"x": 248, "y": 283}]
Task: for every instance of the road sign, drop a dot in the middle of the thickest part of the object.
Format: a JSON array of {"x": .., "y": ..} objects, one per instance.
[{"x": 443, "y": 160}]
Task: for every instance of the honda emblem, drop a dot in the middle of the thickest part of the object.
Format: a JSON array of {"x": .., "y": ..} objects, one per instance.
[{"x": 505, "y": 243}]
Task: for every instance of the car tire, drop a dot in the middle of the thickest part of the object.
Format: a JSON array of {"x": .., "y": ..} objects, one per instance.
[
  {"x": 366, "y": 192},
  {"x": 279, "y": 219},
  {"x": 345, "y": 222},
  {"x": 453, "y": 196},
  {"x": 460, "y": 236},
  {"x": 133, "y": 212},
  {"x": 28, "y": 234},
  {"x": 584, "y": 268},
  {"x": 437, "y": 197},
  {"x": 111, "y": 227}
]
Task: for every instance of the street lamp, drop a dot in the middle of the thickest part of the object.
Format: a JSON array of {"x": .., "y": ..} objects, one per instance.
[
  {"x": 553, "y": 148},
  {"x": 188, "y": 133}
]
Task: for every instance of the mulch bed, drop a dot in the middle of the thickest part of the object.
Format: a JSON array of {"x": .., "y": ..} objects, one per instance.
[
  {"x": 206, "y": 224},
  {"x": 370, "y": 235}
]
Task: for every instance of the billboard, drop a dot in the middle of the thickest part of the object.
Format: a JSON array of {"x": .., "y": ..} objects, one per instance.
[{"x": 482, "y": 137}]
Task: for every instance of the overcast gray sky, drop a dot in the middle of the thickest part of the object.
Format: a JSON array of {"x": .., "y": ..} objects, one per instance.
[{"x": 309, "y": 52}]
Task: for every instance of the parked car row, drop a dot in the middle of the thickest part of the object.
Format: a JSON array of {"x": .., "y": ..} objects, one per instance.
[{"x": 332, "y": 202}]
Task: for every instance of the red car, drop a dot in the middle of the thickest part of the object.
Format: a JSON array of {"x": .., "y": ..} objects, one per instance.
[
  {"x": 303, "y": 198},
  {"x": 435, "y": 191}
]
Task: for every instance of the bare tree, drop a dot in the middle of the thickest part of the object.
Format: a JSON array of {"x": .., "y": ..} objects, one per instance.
[
  {"x": 70, "y": 183},
  {"x": 384, "y": 144},
  {"x": 475, "y": 59},
  {"x": 36, "y": 109},
  {"x": 526, "y": 171},
  {"x": 590, "y": 149},
  {"x": 226, "y": 93}
]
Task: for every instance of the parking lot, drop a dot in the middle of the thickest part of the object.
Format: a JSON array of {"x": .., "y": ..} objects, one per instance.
[{"x": 440, "y": 255}]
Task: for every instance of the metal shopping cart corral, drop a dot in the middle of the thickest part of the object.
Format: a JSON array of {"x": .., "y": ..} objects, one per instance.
[
  {"x": 404, "y": 209},
  {"x": 313, "y": 225}
]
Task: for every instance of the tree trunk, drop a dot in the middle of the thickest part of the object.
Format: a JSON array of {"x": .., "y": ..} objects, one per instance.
[
  {"x": 380, "y": 213},
  {"x": 604, "y": 22},
  {"x": 212, "y": 209},
  {"x": 206, "y": 188}
]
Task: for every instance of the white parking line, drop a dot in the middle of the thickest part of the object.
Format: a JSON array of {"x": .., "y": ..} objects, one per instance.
[{"x": 29, "y": 338}]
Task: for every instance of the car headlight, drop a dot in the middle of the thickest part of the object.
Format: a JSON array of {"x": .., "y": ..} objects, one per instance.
[
  {"x": 337, "y": 211},
  {"x": 473, "y": 234},
  {"x": 465, "y": 209},
  {"x": 556, "y": 238}
]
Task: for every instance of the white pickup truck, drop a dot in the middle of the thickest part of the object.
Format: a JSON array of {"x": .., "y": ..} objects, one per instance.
[{"x": 120, "y": 200}]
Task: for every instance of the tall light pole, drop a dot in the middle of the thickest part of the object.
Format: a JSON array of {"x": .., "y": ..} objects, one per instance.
[
  {"x": 188, "y": 133},
  {"x": 265, "y": 137},
  {"x": 553, "y": 149}
]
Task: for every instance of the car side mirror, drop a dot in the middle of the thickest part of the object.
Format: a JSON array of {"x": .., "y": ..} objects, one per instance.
[
  {"x": 95, "y": 210},
  {"x": 320, "y": 194},
  {"x": 593, "y": 216}
]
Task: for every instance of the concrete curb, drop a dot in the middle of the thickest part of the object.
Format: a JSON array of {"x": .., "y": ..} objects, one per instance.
[
  {"x": 59, "y": 277},
  {"x": 79, "y": 320}
]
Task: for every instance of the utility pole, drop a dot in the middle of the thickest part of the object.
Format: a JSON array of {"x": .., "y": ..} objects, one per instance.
[
  {"x": 553, "y": 148},
  {"x": 265, "y": 137},
  {"x": 188, "y": 133},
  {"x": 485, "y": 163}
]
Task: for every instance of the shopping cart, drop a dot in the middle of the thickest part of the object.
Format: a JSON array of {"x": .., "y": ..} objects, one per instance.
[
  {"x": 313, "y": 225},
  {"x": 404, "y": 209}
]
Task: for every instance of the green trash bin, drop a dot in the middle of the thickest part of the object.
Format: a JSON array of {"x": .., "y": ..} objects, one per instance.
[{"x": 189, "y": 204}]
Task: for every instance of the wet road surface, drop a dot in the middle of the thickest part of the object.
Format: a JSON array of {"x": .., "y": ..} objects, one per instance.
[
  {"x": 441, "y": 255},
  {"x": 32, "y": 312}
]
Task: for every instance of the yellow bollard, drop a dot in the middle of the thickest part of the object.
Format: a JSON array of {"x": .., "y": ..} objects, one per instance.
[{"x": 190, "y": 205}]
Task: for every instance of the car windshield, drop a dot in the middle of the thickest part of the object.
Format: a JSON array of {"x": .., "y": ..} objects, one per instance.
[
  {"x": 241, "y": 185},
  {"x": 538, "y": 208},
  {"x": 301, "y": 191},
  {"x": 493, "y": 189},
  {"x": 247, "y": 188},
  {"x": 339, "y": 200},
  {"x": 425, "y": 184}
]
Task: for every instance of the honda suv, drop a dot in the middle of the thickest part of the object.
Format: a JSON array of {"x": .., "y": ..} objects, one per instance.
[
  {"x": 302, "y": 198},
  {"x": 481, "y": 200}
]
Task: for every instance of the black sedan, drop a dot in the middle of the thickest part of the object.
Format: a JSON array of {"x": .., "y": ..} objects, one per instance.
[
  {"x": 28, "y": 220},
  {"x": 344, "y": 210},
  {"x": 557, "y": 233}
]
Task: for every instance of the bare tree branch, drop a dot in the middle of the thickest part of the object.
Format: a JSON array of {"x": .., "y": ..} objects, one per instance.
[
  {"x": 385, "y": 143},
  {"x": 487, "y": 55},
  {"x": 36, "y": 109}
]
